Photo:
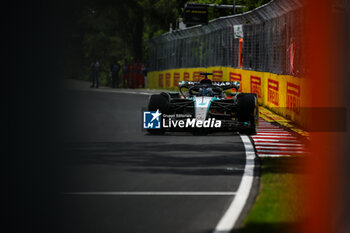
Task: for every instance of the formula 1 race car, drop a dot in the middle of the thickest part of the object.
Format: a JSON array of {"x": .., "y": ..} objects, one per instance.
[{"x": 205, "y": 106}]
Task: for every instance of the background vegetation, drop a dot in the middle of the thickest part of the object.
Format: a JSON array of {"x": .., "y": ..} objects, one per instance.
[{"x": 118, "y": 29}]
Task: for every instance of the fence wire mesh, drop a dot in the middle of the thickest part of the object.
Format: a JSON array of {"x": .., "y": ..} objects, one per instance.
[{"x": 272, "y": 34}]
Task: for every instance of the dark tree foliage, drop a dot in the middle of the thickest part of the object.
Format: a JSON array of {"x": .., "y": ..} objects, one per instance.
[{"x": 118, "y": 29}]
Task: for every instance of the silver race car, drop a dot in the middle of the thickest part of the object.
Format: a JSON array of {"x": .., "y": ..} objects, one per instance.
[{"x": 206, "y": 106}]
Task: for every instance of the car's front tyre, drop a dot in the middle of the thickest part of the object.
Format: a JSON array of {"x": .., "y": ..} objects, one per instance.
[{"x": 161, "y": 103}]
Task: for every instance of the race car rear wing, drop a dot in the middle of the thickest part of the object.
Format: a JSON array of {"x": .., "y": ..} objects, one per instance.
[{"x": 224, "y": 85}]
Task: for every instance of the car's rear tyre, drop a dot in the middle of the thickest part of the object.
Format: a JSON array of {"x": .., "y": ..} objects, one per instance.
[
  {"x": 161, "y": 103},
  {"x": 248, "y": 111},
  {"x": 166, "y": 95},
  {"x": 175, "y": 95}
]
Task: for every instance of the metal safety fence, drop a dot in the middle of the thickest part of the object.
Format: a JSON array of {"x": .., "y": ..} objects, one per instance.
[{"x": 272, "y": 42}]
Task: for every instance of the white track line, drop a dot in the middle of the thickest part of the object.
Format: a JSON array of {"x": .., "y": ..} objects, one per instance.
[
  {"x": 271, "y": 131},
  {"x": 269, "y": 128},
  {"x": 126, "y": 92},
  {"x": 106, "y": 90},
  {"x": 274, "y": 133},
  {"x": 278, "y": 144},
  {"x": 153, "y": 193},
  {"x": 265, "y": 136},
  {"x": 280, "y": 152},
  {"x": 228, "y": 221},
  {"x": 276, "y": 140},
  {"x": 280, "y": 147},
  {"x": 274, "y": 155},
  {"x": 272, "y": 141}
]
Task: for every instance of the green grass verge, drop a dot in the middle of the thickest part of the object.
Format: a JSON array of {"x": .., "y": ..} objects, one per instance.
[{"x": 278, "y": 204}]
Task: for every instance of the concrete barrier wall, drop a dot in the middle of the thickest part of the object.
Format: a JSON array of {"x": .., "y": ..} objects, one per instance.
[{"x": 282, "y": 94}]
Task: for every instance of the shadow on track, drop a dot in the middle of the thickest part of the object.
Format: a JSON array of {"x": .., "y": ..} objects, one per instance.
[{"x": 168, "y": 158}]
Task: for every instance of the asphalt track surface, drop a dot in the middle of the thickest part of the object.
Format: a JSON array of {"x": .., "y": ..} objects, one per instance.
[{"x": 117, "y": 178}]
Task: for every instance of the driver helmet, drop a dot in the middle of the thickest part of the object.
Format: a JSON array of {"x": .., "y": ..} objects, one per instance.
[{"x": 205, "y": 91}]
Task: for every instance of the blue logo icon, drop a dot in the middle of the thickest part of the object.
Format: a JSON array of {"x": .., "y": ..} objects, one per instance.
[{"x": 151, "y": 120}]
